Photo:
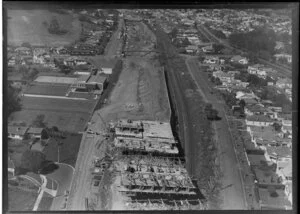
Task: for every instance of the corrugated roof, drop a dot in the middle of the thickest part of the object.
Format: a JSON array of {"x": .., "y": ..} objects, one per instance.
[
  {"x": 33, "y": 130},
  {"x": 83, "y": 78},
  {"x": 17, "y": 130},
  {"x": 97, "y": 79},
  {"x": 53, "y": 79},
  {"x": 260, "y": 118}
]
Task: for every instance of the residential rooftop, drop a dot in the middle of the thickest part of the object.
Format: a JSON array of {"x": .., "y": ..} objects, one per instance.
[
  {"x": 279, "y": 202},
  {"x": 17, "y": 130}
]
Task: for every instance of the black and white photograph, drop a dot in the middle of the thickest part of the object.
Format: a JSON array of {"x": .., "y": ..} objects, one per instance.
[{"x": 149, "y": 108}]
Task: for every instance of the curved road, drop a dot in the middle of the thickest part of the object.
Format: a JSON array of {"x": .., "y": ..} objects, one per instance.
[{"x": 63, "y": 176}]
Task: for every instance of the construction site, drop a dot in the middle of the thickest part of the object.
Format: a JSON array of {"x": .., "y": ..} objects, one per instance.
[
  {"x": 130, "y": 158},
  {"x": 159, "y": 177}
]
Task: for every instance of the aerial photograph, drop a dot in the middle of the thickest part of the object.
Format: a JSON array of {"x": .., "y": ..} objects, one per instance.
[{"x": 148, "y": 109}]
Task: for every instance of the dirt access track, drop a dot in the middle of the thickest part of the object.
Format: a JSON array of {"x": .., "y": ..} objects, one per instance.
[{"x": 141, "y": 91}]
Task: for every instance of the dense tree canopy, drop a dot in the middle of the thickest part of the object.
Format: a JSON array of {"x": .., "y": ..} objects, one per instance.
[
  {"x": 260, "y": 41},
  {"x": 32, "y": 160},
  {"x": 13, "y": 101},
  {"x": 39, "y": 121}
]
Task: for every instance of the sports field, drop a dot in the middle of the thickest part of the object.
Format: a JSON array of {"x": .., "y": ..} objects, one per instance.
[
  {"x": 48, "y": 89},
  {"x": 68, "y": 115},
  {"x": 30, "y": 26},
  {"x": 58, "y": 105}
]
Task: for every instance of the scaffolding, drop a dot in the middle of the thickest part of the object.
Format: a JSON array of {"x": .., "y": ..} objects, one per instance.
[
  {"x": 157, "y": 183},
  {"x": 164, "y": 204},
  {"x": 152, "y": 164},
  {"x": 146, "y": 145}
]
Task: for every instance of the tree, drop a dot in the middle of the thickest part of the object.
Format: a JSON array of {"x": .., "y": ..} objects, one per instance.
[
  {"x": 186, "y": 42},
  {"x": 218, "y": 81},
  {"x": 26, "y": 44},
  {"x": 277, "y": 127},
  {"x": 242, "y": 104},
  {"x": 39, "y": 121},
  {"x": 173, "y": 33},
  {"x": 13, "y": 101},
  {"x": 218, "y": 47},
  {"x": 32, "y": 160}
]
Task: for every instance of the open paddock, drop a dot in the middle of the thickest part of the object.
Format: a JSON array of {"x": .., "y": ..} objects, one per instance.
[
  {"x": 48, "y": 89},
  {"x": 67, "y": 121},
  {"x": 58, "y": 105}
]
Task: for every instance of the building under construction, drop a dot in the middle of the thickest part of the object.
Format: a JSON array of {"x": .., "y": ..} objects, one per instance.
[
  {"x": 146, "y": 136},
  {"x": 163, "y": 204},
  {"x": 154, "y": 176}
]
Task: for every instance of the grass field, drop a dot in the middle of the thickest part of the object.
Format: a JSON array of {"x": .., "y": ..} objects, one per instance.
[
  {"x": 67, "y": 115},
  {"x": 67, "y": 121},
  {"x": 45, "y": 203},
  {"x": 59, "y": 105},
  {"x": 27, "y": 26},
  {"x": 48, "y": 89},
  {"x": 20, "y": 200}
]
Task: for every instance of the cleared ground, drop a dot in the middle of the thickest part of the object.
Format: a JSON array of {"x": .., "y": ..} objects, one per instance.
[
  {"x": 140, "y": 93},
  {"x": 27, "y": 26}
]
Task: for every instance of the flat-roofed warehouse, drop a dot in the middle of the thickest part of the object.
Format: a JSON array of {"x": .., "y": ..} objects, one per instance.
[{"x": 58, "y": 80}]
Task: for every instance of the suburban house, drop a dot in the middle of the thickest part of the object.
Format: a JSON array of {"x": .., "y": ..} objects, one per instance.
[
  {"x": 224, "y": 77},
  {"x": 259, "y": 120},
  {"x": 244, "y": 95},
  {"x": 17, "y": 132},
  {"x": 35, "y": 132},
  {"x": 11, "y": 61},
  {"x": 23, "y": 51},
  {"x": 258, "y": 70},
  {"x": 239, "y": 59},
  {"x": 208, "y": 49},
  {"x": 211, "y": 60},
  {"x": 254, "y": 109},
  {"x": 11, "y": 166},
  {"x": 192, "y": 49},
  {"x": 61, "y": 50},
  {"x": 284, "y": 83},
  {"x": 288, "y": 57},
  {"x": 268, "y": 202}
]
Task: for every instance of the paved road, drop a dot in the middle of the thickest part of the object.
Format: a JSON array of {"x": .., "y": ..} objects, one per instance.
[
  {"x": 233, "y": 197},
  {"x": 81, "y": 185},
  {"x": 63, "y": 176}
]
